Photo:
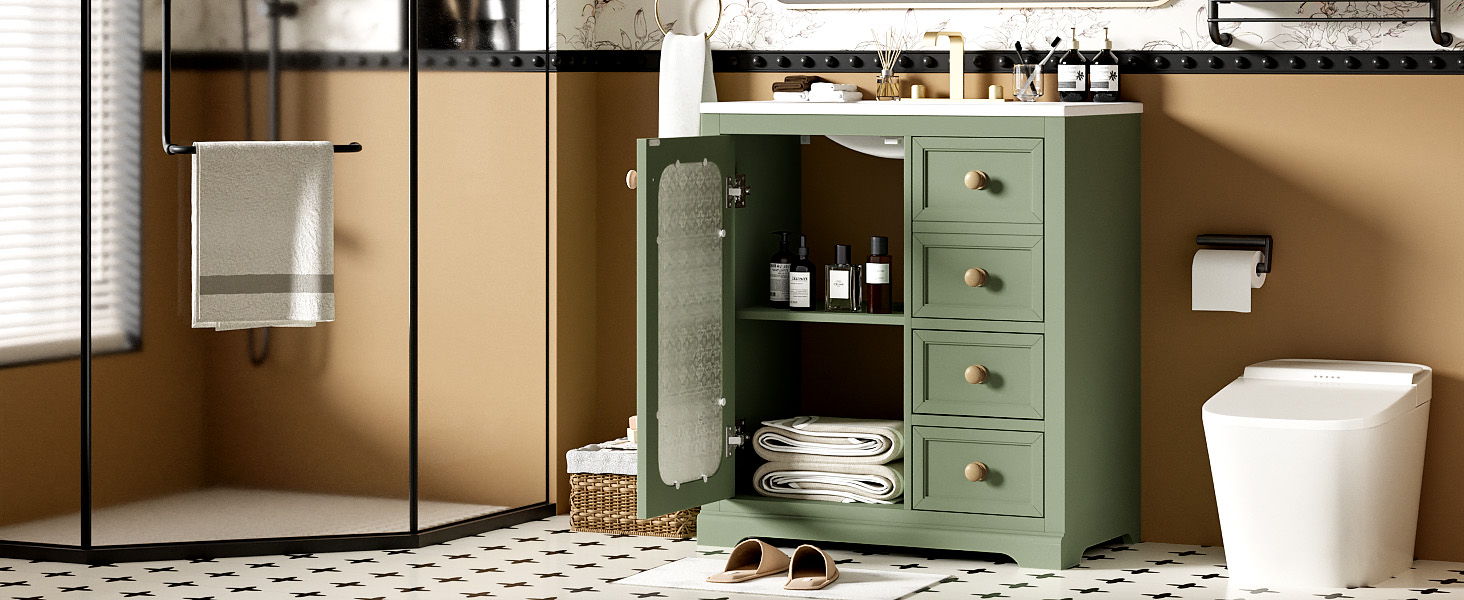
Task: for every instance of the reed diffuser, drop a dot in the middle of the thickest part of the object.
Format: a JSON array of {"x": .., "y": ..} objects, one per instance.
[{"x": 889, "y": 47}]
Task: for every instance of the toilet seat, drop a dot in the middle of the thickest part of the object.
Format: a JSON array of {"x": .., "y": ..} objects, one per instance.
[{"x": 1319, "y": 395}]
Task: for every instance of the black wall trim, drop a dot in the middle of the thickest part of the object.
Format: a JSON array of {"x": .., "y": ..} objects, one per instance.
[{"x": 1442, "y": 62}]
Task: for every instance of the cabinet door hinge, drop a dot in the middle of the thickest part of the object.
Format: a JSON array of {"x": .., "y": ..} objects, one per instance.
[
  {"x": 737, "y": 191},
  {"x": 735, "y": 437}
]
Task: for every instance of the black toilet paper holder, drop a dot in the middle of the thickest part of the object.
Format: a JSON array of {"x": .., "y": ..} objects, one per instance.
[{"x": 1222, "y": 241}]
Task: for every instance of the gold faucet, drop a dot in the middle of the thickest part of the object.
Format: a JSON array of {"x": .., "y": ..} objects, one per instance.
[{"x": 958, "y": 60}]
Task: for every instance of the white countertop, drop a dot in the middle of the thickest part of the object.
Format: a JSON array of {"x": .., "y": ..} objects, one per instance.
[{"x": 941, "y": 108}]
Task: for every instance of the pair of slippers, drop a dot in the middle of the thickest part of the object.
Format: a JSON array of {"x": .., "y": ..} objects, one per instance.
[{"x": 810, "y": 568}]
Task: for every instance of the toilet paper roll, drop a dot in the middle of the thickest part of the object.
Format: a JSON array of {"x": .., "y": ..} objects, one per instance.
[{"x": 1223, "y": 279}]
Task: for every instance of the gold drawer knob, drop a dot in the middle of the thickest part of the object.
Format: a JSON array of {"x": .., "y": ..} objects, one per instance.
[
  {"x": 976, "y": 471},
  {"x": 976, "y": 277},
  {"x": 976, "y": 180},
  {"x": 976, "y": 374},
  {"x": 632, "y": 179}
]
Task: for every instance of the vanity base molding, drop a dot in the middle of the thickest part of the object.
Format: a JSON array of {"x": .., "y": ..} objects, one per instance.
[{"x": 724, "y": 524}]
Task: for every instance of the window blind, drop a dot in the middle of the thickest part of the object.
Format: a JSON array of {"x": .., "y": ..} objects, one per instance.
[{"x": 41, "y": 167}]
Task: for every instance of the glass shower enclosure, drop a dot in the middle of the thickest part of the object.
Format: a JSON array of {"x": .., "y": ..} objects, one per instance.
[{"x": 419, "y": 415}]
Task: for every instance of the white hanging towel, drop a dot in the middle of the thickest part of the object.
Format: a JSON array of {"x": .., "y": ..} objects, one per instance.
[
  {"x": 686, "y": 82},
  {"x": 263, "y": 235}
]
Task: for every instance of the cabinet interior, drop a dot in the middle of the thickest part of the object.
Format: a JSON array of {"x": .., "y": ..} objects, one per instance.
[{"x": 852, "y": 368}]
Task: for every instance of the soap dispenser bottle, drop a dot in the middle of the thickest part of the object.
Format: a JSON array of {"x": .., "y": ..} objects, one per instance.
[
  {"x": 778, "y": 267},
  {"x": 1103, "y": 73},
  {"x": 1072, "y": 74},
  {"x": 800, "y": 279}
]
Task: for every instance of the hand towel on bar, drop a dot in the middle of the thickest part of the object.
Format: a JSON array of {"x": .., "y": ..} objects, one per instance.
[
  {"x": 263, "y": 235},
  {"x": 870, "y": 484},
  {"x": 830, "y": 440},
  {"x": 686, "y": 82}
]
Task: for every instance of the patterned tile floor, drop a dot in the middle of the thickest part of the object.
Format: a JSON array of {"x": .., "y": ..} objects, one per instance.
[{"x": 544, "y": 560}]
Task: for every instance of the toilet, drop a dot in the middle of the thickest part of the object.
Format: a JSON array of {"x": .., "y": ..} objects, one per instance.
[{"x": 1317, "y": 467}]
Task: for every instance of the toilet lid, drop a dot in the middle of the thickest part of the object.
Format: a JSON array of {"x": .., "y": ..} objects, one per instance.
[{"x": 1319, "y": 395}]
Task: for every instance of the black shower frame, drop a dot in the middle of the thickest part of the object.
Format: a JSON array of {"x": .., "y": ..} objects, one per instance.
[{"x": 85, "y": 552}]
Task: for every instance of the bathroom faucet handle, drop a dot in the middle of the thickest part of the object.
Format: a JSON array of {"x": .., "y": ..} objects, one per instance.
[
  {"x": 976, "y": 277},
  {"x": 976, "y": 180},
  {"x": 976, "y": 471},
  {"x": 977, "y": 374},
  {"x": 934, "y": 36}
]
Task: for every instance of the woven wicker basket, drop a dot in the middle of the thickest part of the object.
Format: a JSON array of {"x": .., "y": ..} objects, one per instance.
[{"x": 602, "y": 503}]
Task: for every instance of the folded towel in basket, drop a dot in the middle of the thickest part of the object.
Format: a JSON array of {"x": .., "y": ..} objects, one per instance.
[
  {"x": 830, "y": 440},
  {"x": 833, "y": 482}
]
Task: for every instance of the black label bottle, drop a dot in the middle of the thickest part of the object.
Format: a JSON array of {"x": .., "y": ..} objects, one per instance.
[
  {"x": 1072, "y": 74},
  {"x": 778, "y": 267},
  {"x": 1103, "y": 73},
  {"x": 800, "y": 279},
  {"x": 877, "y": 277},
  {"x": 842, "y": 279}
]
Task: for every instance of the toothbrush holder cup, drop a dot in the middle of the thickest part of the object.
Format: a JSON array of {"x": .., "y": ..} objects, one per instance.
[{"x": 1027, "y": 82}]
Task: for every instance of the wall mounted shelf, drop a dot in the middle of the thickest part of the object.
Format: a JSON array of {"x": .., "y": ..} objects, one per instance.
[{"x": 1434, "y": 19}]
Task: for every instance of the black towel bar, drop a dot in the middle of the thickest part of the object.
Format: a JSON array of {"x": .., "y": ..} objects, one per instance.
[
  {"x": 1434, "y": 20},
  {"x": 167, "y": 75}
]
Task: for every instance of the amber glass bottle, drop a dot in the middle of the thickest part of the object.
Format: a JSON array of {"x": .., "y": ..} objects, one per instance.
[{"x": 877, "y": 277}]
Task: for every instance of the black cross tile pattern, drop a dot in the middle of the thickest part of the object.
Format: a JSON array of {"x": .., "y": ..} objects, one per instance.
[{"x": 546, "y": 560}]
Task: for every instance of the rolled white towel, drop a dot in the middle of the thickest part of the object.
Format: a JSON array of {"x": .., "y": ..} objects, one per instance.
[
  {"x": 830, "y": 440},
  {"x": 831, "y": 482}
]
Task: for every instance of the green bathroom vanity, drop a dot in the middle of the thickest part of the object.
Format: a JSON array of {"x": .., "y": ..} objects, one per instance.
[{"x": 1020, "y": 323}]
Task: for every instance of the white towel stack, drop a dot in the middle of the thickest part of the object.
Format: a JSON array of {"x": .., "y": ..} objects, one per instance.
[
  {"x": 830, "y": 459},
  {"x": 823, "y": 92}
]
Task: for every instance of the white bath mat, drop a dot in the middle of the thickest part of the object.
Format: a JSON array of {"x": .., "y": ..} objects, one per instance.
[{"x": 853, "y": 584}]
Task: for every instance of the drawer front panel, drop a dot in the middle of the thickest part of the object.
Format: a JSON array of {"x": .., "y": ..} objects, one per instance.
[
  {"x": 970, "y": 276},
  {"x": 977, "y": 374},
  {"x": 1012, "y": 482},
  {"x": 1008, "y": 172}
]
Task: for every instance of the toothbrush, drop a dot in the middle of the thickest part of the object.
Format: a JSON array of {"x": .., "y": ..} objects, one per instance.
[{"x": 1055, "y": 41}]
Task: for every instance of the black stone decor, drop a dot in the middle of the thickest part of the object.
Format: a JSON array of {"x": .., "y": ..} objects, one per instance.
[{"x": 1441, "y": 62}]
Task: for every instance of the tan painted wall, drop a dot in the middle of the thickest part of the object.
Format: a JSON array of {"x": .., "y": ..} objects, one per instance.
[
  {"x": 1360, "y": 189},
  {"x": 328, "y": 411}
]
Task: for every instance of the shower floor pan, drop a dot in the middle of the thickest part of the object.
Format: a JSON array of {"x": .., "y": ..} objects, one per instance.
[{"x": 223, "y": 513}]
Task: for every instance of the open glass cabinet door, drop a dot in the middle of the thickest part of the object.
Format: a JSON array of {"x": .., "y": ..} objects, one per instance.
[{"x": 682, "y": 315}]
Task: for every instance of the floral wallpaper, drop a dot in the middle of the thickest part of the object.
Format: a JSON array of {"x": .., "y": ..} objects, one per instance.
[
  {"x": 1179, "y": 25},
  {"x": 375, "y": 25}
]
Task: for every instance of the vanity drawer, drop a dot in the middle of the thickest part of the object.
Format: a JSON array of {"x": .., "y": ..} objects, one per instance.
[
  {"x": 977, "y": 180},
  {"x": 983, "y": 471},
  {"x": 977, "y": 276},
  {"x": 977, "y": 374}
]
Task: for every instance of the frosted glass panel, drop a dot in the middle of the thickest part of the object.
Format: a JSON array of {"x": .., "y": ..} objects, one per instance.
[{"x": 689, "y": 309}]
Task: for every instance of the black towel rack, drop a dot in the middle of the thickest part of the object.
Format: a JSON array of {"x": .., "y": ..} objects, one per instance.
[
  {"x": 167, "y": 100},
  {"x": 1434, "y": 19}
]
